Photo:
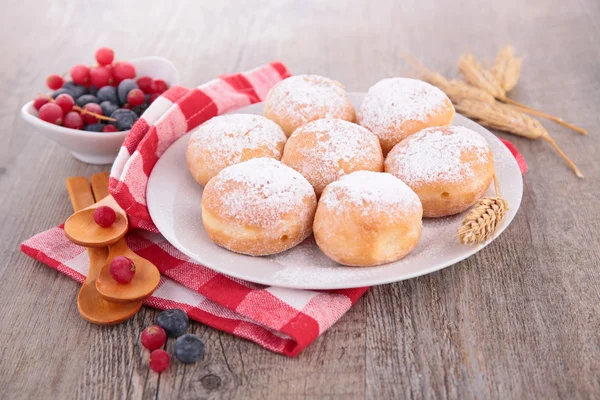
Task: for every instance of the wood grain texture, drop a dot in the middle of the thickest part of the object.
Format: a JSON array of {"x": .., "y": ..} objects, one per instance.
[{"x": 518, "y": 320}]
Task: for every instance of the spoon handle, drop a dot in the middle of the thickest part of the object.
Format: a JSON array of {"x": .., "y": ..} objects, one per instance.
[{"x": 100, "y": 185}]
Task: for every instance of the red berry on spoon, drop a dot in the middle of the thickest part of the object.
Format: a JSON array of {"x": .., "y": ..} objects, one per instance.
[
  {"x": 39, "y": 101},
  {"x": 52, "y": 113},
  {"x": 100, "y": 77},
  {"x": 122, "y": 269},
  {"x": 104, "y": 56},
  {"x": 135, "y": 97},
  {"x": 65, "y": 101},
  {"x": 73, "y": 120},
  {"x": 109, "y": 128},
  {"x": 123, "y": 70},
  {"x": 153, "y": 337},
  {"x": 159, "y": 86},
  {"x": 145, "y": 83},
  {"x": 159, "y": 360},
  {"x": 54, "y": 81},
  {"x": 80, "y": 74},
  {"x": 105, "y": 216},
  {"x": 91, "y": 108}
]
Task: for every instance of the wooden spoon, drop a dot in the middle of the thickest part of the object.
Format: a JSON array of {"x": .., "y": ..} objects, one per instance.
[
  {"x": 144, "y": 282},
  {"x": 81, "y": 228},
  {"x": 91, "y": 306}
]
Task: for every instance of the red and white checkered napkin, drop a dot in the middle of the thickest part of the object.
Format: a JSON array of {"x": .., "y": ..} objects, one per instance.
[{"x": 282, "y": 320}]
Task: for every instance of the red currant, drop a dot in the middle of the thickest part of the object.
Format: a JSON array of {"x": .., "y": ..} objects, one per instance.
[
  {"x": 91, "y": 108},
  {"x": 110, "y": 70},
  {"x": 65, "y": 101},
  {"x": 52, "y": 113},
  {"x": 100, "y": 77},
  {"x": 54, "y": 82},
  {"x": 109, "y": 128},
  {"x": 73, "y": 120},
  {"x": 81, "y": 74},
  {"x": 153, "y": 97},
  {"x": 145, "y": 83},
  {"x": 39, "y": 101},
  {"x": 123, "y": 70},
  {"x": 122, "y": 269},
  {"x": 159, "y": 86},
  {"x": 105, "y": 216},
  {"x": 159, "y": 360},
  {"x": 153, "y": 337},
  {"x": 104, "y": 56},
  {"x": 135, "y": 97}
]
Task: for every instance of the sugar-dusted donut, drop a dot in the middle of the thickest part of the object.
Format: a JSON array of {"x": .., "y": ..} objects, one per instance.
[
  {"x": 450, "y": 168},
  {"x": 367, "y": 218},
  {"x": 299, "y": 99},
  {"x": 326, "y": 149},
  {"x": 230, "y": 139},
  {"x": 258, "y": 207},
  {"x": 395, "y": 108}
]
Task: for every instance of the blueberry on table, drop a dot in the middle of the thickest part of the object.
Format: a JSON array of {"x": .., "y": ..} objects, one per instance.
[
  {"x": 189, "y": 348},
  {"x": 94, "y": 127},
  {"x": 124, "y": 119},
  {"x": 86, "y": 98},
  {"x": 124, "y": 88},
  {"x": 175, "y": 321},
  {"x": 108, "y": 108},
  {"x": 108, "y": 93}
]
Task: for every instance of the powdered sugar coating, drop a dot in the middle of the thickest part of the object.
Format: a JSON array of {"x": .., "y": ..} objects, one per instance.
[
  {"x": 378, "y": 191},
  {"x": 437, "y": 155},
  {"x": 260, "y": 192},
  {"x": 393, "y": 101},
  {"x": 326, "y": 149},
  {"x": 223, "y": 139},
  {"x": 303, "y": 98}
]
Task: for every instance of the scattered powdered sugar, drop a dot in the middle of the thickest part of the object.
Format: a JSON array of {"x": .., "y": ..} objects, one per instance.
[
  {"x": 306, "y": 97},
  {"x": 225, "y": 137},
  {"x": 381, "y": 190},
  {"x": 394, "y": 100},
  {"x": 267, "y": 189},
  {"x": 435, "y": 155}
]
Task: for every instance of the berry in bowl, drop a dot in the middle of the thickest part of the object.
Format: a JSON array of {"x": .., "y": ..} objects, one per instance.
[{"x": 91, "y": 112}]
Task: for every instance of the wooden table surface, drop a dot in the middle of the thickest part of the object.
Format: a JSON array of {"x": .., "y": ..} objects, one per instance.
[{"x": 518, "y": 320}]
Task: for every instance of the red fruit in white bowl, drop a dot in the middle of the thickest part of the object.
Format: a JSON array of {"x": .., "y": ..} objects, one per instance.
[
  {"x": 52, "y": 113},
  {"x": 80, "y": 74},
  {"x": 39, "y": 101},
  {"x": 100, "y": 77},
  {"x": 65, "y": 101},
  {"x": 123, "y": 70},
  {"x": 73, "y": 120},
  {"x": 105, "y": 56},
  {"x": 91, "y": 108}
]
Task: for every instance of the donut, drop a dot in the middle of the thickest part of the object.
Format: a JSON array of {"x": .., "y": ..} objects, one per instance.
[
  {"x": 230, "y": 139},
  {"x": 395, "y": 108},
  {"x": 450, "y": 168},
  {"x": 299, "y": 99},
  {"x": 258, "y": 207},
  {"x": 325, "y": 149},
  {"x": 367, "y": 218}
]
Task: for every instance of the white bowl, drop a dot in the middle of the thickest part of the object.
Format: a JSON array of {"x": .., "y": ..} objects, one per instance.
[{"x": 99, "y": 147}]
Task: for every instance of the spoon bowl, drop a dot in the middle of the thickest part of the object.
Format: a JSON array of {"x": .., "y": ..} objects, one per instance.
[
  {"x": 81, "y": 228},
  {"x": 144, "y": 282}
]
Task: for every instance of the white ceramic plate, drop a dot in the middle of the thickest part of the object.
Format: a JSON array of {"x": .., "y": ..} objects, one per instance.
[{"x": 174, "y": 202}]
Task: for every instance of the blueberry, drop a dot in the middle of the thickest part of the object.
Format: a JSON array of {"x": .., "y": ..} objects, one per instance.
[
  {"x": 108, "y": 93},
  {"x": 189, "y": 348},
  {"x": 175, "y": 321},
  {"x": 124, "y": 88},
  {"x": 60, "y": 91},
  {"x": 76, "y": 90},
  {"x": 125, "y": 120},
  {"x": 93, "y": 90},
  {"x": 107, "y": 107},
  {"x": 139, "y": 110},
  {"x": 94, "y": 127},
  {"x": 147, "y": 98},
  {"x": 86, "y": 98}
]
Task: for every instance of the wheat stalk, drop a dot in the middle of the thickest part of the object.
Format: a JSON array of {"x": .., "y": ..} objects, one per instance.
[
  {"x": 507, "y": 68},
  {"x": 477, "y": 75},
  {"x": 506, "y": 118},
  {"x": 484, "y": 218}
]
